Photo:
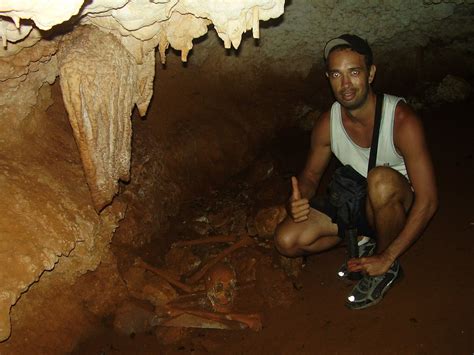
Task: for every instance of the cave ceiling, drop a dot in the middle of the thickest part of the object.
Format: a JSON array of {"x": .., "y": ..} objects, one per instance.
[{"x": 121, "y": 37}]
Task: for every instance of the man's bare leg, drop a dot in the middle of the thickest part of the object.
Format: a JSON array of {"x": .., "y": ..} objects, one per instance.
[
  {"x": 314, "y": 235},
  {"x": 389, "y": 199}
]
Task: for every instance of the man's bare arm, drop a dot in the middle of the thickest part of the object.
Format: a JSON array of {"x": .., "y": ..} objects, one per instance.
[
  {"x": 318, "y": 157},
  {"x": 305, "y": 186},
  {"x": 411, "y": 143}
]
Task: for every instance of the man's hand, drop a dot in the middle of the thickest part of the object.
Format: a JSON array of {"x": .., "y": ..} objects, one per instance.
[
  {"x": 372, "y": 265},
  {"x": 298, "y": 207}
]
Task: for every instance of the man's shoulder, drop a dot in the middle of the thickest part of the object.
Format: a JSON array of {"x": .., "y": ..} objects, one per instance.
[
  {"x": 404, "y": 113},
  {"x": 321, "y": 128},
  {"x": 407, "y": 123},
  {"x": 324, "y": 121},
  {"x": 327, "y": 113},
  {"x": 393, "y": 100}
]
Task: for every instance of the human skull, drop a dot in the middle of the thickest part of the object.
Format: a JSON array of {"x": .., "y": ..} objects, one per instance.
[{"x": 220, "y": 287}]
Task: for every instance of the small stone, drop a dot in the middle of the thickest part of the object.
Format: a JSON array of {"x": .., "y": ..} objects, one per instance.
[
  {"x": 251, "y": 228},
  {"x": 132, "y": 318},
  {"x": 292, "y": 266},
  {"x": 182, "y": 261},
  {"x": 201, "y": 228},
  {"x": 267, "y": 220},
  {"x": 220, "y": 218},
  {"x": 146, "y": 286},
  {"x": 454, "y": 89},
  {"x": 171, "y": 335},
  {"x": 260, "y": 171}
]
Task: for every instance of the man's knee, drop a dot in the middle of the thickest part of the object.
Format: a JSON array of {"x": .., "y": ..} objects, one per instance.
[
  {"x": 385, "y": 185},
  {"x": 285, "y": 240}
]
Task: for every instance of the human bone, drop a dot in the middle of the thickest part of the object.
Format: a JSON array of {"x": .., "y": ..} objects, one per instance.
[{"x": 221, "y": 285}]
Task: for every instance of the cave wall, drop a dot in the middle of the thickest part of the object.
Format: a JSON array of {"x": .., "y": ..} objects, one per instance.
[
  {"x": 54, "y": 215},
  {"x": 293, "y": 43}
]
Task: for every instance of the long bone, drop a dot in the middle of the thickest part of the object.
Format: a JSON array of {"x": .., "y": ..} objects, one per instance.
[
  {"x": 207, "y": 240},
  {"x": 162, "y": 273},
  {"x": 251, "y": 320},
  {"x": 241, "y": 243}
]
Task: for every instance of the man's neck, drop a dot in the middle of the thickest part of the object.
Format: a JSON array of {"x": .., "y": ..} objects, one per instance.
[{"x": 363, "y": 115}]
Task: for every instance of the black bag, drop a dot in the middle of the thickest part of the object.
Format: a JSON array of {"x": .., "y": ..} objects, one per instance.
[{"x": 347, "y": 192}]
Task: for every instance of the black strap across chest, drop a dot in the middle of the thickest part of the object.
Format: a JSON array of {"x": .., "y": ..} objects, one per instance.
[{"x": 376, "y": 132}]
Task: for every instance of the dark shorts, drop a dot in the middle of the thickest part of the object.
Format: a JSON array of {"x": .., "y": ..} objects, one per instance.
[{"x": 321, "y": 203}]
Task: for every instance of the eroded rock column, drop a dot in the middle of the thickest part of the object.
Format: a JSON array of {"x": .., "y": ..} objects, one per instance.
[{"x": 99, "y": 83}]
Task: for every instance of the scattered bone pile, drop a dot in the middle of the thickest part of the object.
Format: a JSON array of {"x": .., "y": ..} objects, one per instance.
[{"x": 224, "y": 273}]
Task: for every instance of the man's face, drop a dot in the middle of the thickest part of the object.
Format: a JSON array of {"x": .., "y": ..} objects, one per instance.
[{"x": 349, "y": 77}]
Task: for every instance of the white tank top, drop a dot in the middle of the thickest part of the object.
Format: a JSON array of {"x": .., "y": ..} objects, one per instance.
[{"x": 358, "y": 157}]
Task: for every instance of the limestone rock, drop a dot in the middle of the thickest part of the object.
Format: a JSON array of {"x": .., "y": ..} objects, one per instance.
[
  {"x": 46, "y": 217},
  {"x": 292, "y": 266},
  {"x": 99, "y": 104},
  {"x": 9, "y": 30},
  {"x": 232, "y": 18},
  {"x": 172, "y": 335},
  {"x": 201, "y": 227},
  {"x": 182, "y": 29},
  {"x": 182, "y": 261},
  {"x": 453, "y": 89},
  {"x": 22, "y": 74},
  {"x": 220, "y": 218},
  {"x": 260, "y": 170},
  {"x": 145, "y": 286},
  {"x": 239, "y": 222},
  {"x": 45, "y": 14},
  {"x": 133, "y": 318},
  {"x": 267, "y": 220},
  {"x": 175, "y": 21},
  {"x": 107, "y": 289}
]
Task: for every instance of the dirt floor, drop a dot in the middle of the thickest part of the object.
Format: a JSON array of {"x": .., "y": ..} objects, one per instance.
[{"x": 428, "y": 312}]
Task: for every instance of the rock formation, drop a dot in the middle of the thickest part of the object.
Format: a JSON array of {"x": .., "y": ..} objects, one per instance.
[
  {"x": 99, "y": 84},
  {"x": 105, "y": 70},
  {"x": 103, "y": 134}
]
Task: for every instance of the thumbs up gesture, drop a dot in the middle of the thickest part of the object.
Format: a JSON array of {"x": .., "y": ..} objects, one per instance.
[{"x": 298, "y": 207}]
